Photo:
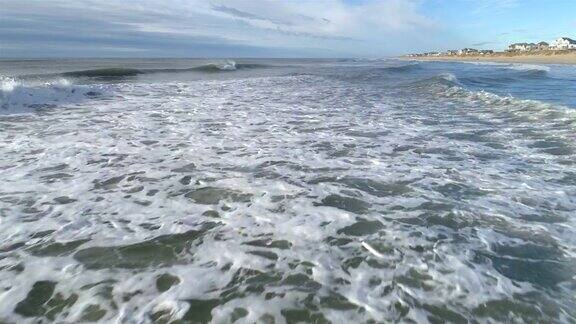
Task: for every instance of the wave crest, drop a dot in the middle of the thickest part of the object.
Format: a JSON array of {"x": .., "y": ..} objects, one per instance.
[
  {"x": 217, "y": 67},
  {"x": 225, "y": 66},
  {"x": 436, "y": 83},
  {"x": 446, "y": 85},
  {"x": 18, "y": 97},
  {"x": 513, "y": 66}
]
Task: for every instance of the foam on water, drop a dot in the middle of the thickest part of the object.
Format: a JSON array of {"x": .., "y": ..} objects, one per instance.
[
  {"x": 293, "y": 198},
  {"x": 529, "y": 67},
  {"x": 24, "y": 97},
  {"x": 513, "y": 66}
]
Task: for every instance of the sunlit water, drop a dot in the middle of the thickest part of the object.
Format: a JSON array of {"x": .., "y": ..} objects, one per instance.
[{"x": 287, "y": 191}]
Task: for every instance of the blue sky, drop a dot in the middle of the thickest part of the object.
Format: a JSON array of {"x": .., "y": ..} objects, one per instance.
[
  {"x": 497, "y": 23},
  {"x": 273, "y": 28}
]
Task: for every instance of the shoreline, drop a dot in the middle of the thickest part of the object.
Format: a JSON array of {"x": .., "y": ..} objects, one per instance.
[{"x": 540, "y": 58}]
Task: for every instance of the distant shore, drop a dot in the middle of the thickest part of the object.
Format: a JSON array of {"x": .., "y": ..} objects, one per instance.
[{"x": 541, "y": 58}]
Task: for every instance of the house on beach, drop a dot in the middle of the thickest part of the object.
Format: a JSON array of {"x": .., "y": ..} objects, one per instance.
[
  {"x": 468, "y": 51},
  {"x": 486, "y": 52},
  {"x": 543, "y": 46},
  {"x": 522, "y": 47},
  {"x": 517, "y": 49},
  {"x": 563, "y": 43}
]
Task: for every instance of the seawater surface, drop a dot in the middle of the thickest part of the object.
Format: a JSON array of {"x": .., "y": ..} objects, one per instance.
[{"x": 285, "y": 191}]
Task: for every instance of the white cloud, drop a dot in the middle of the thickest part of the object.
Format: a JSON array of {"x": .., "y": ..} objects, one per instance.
[{"x": 327, "y": 24}]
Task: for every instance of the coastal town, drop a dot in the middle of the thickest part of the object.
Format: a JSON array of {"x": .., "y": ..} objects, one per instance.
[{"x": 562, "y": 44}]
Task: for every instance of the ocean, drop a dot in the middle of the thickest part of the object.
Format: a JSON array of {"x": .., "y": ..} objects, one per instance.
[{"x": 287, "y": 191}]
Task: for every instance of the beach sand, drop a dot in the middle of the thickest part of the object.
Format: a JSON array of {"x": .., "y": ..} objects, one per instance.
[{"x": 541, "y": 58}]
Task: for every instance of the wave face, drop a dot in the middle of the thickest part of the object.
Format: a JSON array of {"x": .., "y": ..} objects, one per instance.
[
  {"x": 228, "y": 66},
  {"x": 326, "y": 191},
  {"x": 109, "y": 72},
  {"x": 225, "y": 66},
  {"x": 403, "y": 67}
]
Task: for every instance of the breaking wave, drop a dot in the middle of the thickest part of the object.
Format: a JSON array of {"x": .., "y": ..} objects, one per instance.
[
  {"x": 512, "y": 66},
  {"x": 532, "y": 108},
  {"x": 225, "y": 66},
  {"x": 442, "y": 80},
  {"x": 447, "y": 85},
  {"x": 506, "y": 77},
  {"x": 19, "y": 97},
  {"x": 529, "y": 67}
]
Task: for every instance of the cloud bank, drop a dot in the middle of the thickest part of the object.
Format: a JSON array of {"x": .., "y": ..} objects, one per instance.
[{"x": 213, "y": 28}]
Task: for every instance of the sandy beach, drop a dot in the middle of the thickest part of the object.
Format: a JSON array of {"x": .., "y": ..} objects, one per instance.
[{"x": 541, "y": 58}]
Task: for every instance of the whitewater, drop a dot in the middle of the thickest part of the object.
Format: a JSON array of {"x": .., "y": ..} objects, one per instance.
[{"x": 287, "y": 191}]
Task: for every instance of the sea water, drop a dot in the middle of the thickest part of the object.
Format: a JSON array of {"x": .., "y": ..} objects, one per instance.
[{"x": 285, "y": 191}]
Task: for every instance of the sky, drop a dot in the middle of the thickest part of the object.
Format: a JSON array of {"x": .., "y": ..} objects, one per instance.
[{"x": 273, "y": 28}]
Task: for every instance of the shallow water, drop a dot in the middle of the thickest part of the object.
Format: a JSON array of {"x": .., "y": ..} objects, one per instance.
[{"x": 287, "y": 191}]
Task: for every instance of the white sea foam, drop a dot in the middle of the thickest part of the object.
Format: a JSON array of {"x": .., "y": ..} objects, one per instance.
[
  {"x": 307, "y": 194},
  {"x": 529, "y": 67},
  {"x": 227, "y": 65},
  {"x": 533, "y": 109},
  {"x": 21, "y": 97},
  {"x": 449, "y": 77},
  {"x": 513, "y": 66}
]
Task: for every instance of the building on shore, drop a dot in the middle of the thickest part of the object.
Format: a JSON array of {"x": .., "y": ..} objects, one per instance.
[
  {"x": 543, "y": 46},
  {"x": 468, "y": 51},
  {"x": 486, "y": 52},
  {"x": 522, "y": 47},
  {"x": 563, "y": 43}
]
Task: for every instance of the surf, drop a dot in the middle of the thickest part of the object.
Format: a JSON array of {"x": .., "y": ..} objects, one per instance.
[
  {"x": 24, "y": 97},
  {"x": 115, "y": 72}
]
